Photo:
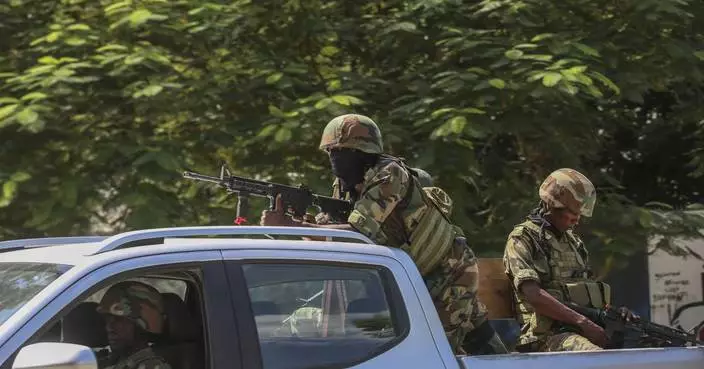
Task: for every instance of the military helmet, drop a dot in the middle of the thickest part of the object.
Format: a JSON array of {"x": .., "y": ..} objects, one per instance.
[
  {"x": 352, "y": 131},
  {"x": 136, "y": 301},
  {"x": 423, "y": 177},
  {"x": 568, "y": 188}
]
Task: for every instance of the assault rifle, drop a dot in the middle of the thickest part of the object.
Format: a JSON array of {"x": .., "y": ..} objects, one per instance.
[
  {"x": 639, "y": 333},
  {"x": 296, "y": 200}
]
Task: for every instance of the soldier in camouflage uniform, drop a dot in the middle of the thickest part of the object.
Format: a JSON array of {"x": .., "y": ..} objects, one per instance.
[
  {"x": 134, "y": 315},
  {"x": 388, "y": 205},
  {"x": 545, "y": 260}
]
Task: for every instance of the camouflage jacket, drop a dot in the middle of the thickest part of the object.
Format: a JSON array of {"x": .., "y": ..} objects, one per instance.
[
  {"x": 386, "y": 187},
  {"x": 142, "y": 359},
  {"x": 549, "y": 260}
]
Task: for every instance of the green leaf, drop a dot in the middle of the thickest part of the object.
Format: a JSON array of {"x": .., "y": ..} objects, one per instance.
[
  {"x": 283, "y": 135},
  {"x": 323, "y": 103},
  {"x": 139, "y": 17},
  {"x": 473, "y": 111},
  {"x": 550, "y": 79},
  {"x": 273, "y": 78},
  {"x": 53, "y": 36},
  {"x": 150, "y": 90},
  {"x": 9, "y": 191},
  {"x": 8, "y": 100},
  {"x": 442, "y": 111},
  {"x": 267, "y": 131},
  {"x": 117, "y": 7},
  {"x": 112, "y": 47},
  {"x": 588, "y": 50},
  {"x": 606, "y": 81},
  {"x": 34, "y": 96},
  {"x": 513, "y": 54},
  {"x": 196, "y": 11},
  {"x": 134, "y": 59},
  {"x": 48, "y": 60},
  {"x": 64, "y": 72},
  {"x": 42, "y": 69},
  {"x": 346, "y": 100},
  {"x": 74, "y": 41},
  {"x": 78, "y": 27},
  {"x": 5, "y": 111},
  {"x": 699, "y": 54},
  {"x": 329, "y": 50},
  {"x": 275, "y": 111},
  {"x": 457, "y": 124},
  {"x": 27, "y": 116},
  {"x": 20, "y": 176},
  {"x": 401, "y": 26},
  {"x": 497, "y": 83},
  {"x": 538, "y": 57},
  {"x": 542, "y": 36}
]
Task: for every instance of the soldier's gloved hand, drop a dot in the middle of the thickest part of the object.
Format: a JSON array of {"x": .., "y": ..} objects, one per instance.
[
  {"x": 277, "y": 217},
  {"x": 627, "y": 314}
]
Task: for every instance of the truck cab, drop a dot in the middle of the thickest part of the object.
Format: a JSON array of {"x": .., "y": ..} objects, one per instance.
[{"x": 249, "y": 297}]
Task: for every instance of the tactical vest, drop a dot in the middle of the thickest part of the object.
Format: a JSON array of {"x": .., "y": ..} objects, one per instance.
[
  {"x": 420, "y": 223},
  {"x": 564, "y": 272}
]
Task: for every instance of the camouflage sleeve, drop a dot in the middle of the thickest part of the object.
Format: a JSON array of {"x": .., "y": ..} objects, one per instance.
[
  {"x": 379, "y": 199},
  {"x": 154, "y": 362},
  {"x": 518, "y": 261}
]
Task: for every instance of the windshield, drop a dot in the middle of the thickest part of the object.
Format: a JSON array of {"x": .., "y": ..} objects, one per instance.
[{"x": 19, "y": 282}]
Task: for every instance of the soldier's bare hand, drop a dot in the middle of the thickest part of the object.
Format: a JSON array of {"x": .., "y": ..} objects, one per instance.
[
  {"x": 594, "y": 333},
  {"x": 277, "y": 217},
  {"x": 628, "y": 315}
]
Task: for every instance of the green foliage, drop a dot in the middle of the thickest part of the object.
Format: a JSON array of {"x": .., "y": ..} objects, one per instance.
[{"x": 103, "y": 103}]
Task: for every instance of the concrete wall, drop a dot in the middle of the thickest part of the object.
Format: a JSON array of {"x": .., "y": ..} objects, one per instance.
[{"x": 677, "y": 289}]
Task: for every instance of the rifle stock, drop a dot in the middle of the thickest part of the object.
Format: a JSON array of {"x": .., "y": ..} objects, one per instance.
[{"x": 296, "y": 200}]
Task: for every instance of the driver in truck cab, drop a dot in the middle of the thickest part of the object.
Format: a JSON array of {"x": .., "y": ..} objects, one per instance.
[
  {"x": 134, "y": 316},
  {"x": 547, "y": 263},
  {"x": 394, "y": 207}
]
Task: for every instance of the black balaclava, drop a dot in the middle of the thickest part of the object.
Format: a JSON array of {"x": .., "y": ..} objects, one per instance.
[{"x": 350, "y": 165}]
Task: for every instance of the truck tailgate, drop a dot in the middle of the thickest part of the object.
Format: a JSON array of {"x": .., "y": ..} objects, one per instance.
[{"x": 665, "y": 358}]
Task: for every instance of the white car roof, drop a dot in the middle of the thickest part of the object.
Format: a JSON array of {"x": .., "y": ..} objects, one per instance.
[
  {"x": 70, "y": 254},
  {"x": 86, "y": 252}
]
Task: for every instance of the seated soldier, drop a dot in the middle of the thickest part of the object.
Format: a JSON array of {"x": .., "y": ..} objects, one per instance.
[
  {"x": 134, "y": 316},
  {"x": 547, "y": 262}
]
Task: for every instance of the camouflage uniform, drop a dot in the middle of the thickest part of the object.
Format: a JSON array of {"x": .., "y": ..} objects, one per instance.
[
  {"x": 143, "y": 305},
  {"x": 142, "y": 359},
  {"x": 536, "y": 251},
  {"x": 453, "y": 282}
]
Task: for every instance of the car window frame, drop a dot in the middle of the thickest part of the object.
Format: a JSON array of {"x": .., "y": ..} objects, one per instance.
[
  {"x": 218, "y": 319},
  {"x": 245, "y": 315}
]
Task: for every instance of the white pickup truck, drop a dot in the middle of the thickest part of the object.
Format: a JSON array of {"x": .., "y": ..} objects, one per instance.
[{"x": 247, "y": 300}]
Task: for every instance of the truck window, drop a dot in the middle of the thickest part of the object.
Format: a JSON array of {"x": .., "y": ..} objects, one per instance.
[
  {"x": 311, "y": 315},
  {"x": 180, "y": 342},
  {"x": 19, "y": 282}
]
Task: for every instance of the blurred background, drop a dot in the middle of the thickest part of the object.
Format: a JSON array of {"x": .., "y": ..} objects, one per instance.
[{"x": 103, "y": 104}]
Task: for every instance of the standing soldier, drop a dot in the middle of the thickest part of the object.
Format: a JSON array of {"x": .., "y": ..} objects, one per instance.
[
  {"x": 392, "y": 208},
  {"x": 547, "y": 262}
]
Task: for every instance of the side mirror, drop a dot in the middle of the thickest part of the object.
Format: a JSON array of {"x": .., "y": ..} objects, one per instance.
[{"x": 54, "y": 355}]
